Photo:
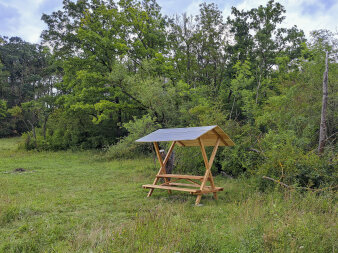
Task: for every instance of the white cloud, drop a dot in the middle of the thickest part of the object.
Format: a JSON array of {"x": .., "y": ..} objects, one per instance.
[
  {"x": 194, "y": 5},
  {"x": 23, "y": 17},
  {"x": 308, "y": 15},
  {"x": 27, "y": 22},
  {"x": 318, "y": 18},
  {"x": 193, "y": 8}
]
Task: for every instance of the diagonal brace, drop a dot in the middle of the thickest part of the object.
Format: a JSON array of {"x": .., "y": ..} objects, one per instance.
[
  {"x": 208, "y": 165},
  {"x": 162, "y": 164}
]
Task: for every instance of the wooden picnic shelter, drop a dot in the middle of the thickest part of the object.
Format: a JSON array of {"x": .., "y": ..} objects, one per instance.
[{"x": 187, "y": 137}]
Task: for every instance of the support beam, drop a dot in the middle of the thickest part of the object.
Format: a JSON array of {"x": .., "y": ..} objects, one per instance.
[
  {"x": 211, "y": 161},
  {"x": 219, "y": 137},
  {"x": 162, "y": 164},
  {"x": 181, "y": 143},
  {"x": 208, "y": 165},
  {"x": 206, "y": 175},
  {"x": 166, "y": 159}
]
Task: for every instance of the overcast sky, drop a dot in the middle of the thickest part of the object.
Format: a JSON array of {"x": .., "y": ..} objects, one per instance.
[{"x": 23, "y": 17}]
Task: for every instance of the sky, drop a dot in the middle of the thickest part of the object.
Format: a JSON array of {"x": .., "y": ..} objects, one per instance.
[{"x": 23, "y": 17}]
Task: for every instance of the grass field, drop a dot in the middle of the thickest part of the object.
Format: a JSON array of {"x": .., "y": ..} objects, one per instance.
[{"x": 80, "y": 202}]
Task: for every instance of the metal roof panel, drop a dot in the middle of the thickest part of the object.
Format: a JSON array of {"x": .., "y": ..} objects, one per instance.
[{"x": 176, "y": 134}]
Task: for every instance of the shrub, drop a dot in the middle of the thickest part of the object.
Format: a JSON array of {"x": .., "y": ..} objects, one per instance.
[
  {"x": 245, "y": 156},
  {"x": 126, "y": 147},
  {"x": 189, "y": 160},
  {"x": 286, "y": 161}
]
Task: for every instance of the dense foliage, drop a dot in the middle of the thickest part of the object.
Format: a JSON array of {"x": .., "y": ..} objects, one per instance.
[{"x": 120, "y": 70}]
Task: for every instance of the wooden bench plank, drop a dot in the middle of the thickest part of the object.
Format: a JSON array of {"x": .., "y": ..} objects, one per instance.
[
  {"x": 180, "y": 184},
  {"x": 208, "y": 189},
  {"x": 152, "y": 186},
  {"x": 180, "y": 176}
]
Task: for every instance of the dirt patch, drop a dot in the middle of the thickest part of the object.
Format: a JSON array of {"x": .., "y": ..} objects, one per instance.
[{"x": 19, "y": 170}]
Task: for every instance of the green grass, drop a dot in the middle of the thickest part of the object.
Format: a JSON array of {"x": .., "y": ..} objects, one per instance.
[{"x": 80, "y": 202}]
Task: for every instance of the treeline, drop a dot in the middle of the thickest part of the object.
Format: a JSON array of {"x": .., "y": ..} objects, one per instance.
[{"x": 107, "y": 73}]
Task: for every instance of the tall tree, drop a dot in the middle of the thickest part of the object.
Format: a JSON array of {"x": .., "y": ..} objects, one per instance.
[
  {"x": 95, "y": 41},
  {"x": 323, "y": 128},
  {"x": 145, "y": 27},
  {"x": 182, "y": 29},
  {"x": 210, "y": 38},
  {"x": 26, "y": 66},
  {"x": 258, "y": 38}
]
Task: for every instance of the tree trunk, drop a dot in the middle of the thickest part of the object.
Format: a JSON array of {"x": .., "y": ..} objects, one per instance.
[
  {"x": 119, "y": 118},
  {"x": 323, "y": 129},
  {"x": 258, "y": 86},
  {"x": 170, "y": 164},
  {"x": 45, "y": 126},
  {"x": 232, "y": 107},
  {"x": 34, "y": 132}
]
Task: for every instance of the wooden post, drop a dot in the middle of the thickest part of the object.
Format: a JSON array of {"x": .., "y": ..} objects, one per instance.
[
  {"x": 211, "y": 161},
  {"x": 208, "y": 165},
  {"x": 162, "y": 164}
]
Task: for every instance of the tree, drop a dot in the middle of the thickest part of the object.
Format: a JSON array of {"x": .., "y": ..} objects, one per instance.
[
  {"x": 25, "y": 64},
  {"x": 98, "y": 43},
  {"x": 3, "y": 109},
  {"x": 181, "y": 39},
  {"x": 258, "y": 39},
  {"x": 198, "y": 47},
  {"x": 27, "y": 74},
  {"x": 243, "y": 91},
  {"x": 209, "y": 46},
  {"x": 145, "y": 29},
  {"x": 323, "y": 128},
  {"x": 323, "y": 47}
]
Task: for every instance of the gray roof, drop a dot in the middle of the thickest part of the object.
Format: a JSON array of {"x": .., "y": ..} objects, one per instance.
[
  {"x": 188, "y": 136},
  {"x": 174, "y": 134}
]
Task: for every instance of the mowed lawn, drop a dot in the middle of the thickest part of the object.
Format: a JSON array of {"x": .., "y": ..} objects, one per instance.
[{"x": 81, "y": 202}]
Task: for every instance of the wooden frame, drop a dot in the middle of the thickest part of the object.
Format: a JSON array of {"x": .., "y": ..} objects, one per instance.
[
  {"x": 187, "y": 137},
  {"x": 195, "y": 187}
]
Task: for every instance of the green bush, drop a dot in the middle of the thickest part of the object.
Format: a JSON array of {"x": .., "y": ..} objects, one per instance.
[
  {"x": 67, "y": 131},
  {"x": 245, "y": 156},
  {"x": 280, "y": 155},
  {"x": 189, "y": 160},
  {"x": 286, "y": 161},
  {"x": 126, "y": 147}
]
